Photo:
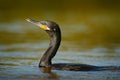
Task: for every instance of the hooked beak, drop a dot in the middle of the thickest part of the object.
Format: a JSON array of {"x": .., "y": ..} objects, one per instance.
[{"x": 38, "y": 23}]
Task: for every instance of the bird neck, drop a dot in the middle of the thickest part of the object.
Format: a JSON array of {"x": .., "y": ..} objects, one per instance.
[{"x": 55, "y": 40}]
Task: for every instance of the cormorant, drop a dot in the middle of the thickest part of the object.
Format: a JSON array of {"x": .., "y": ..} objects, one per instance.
[{"x": 54, "y": 33}]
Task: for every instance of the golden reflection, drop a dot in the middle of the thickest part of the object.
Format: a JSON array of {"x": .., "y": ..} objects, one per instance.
[{"x": 49, "y": 71}]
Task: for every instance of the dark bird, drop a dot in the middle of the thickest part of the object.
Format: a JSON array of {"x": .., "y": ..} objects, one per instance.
[{"x": 54, "y": 32}]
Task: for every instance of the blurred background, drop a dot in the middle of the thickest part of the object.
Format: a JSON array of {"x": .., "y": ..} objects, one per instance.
[
  {"x": 85, "y": 23},
  {"x": 90, "y": 35}
]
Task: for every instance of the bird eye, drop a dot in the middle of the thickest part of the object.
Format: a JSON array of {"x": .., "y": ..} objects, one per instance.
[
  {"x": 54, "y": 29},
  {"x": 43, "y": 22}
]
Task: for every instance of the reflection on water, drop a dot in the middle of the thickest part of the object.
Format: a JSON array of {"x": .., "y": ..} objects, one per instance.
[{"x": 20, "y": 53}]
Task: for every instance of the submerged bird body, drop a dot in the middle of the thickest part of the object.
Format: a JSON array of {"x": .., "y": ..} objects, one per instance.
[{"x": 54, "y": 33}]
